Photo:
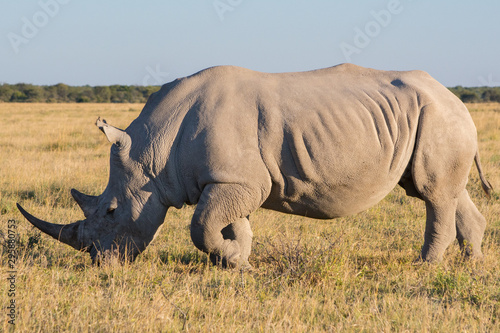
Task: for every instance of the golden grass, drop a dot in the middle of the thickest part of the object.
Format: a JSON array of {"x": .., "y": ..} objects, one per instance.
[{"x": 350, "y": 274}]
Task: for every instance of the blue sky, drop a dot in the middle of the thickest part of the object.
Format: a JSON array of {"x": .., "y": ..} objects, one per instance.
[{"x": 152, "y": 42}]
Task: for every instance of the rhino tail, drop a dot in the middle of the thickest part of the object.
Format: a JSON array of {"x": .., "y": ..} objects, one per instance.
[{"x": 484, "y": 182}]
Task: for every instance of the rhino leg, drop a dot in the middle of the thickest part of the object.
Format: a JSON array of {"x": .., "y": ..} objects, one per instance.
[
  {"x": 241, "y": 232},
  {"x": 440, "y": 230},
  {"x": 445, "y": 148},
  {"x": 219, "y": 226},
  {"x": 470, "y": 226}
]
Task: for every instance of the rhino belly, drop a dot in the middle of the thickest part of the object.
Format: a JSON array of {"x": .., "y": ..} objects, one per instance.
[{"x": 324, "y": 200}]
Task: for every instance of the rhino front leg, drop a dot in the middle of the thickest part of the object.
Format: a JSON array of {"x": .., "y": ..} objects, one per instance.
[
  {"x": 219, "y": 225},
  {"x": 241, "y": 232}
]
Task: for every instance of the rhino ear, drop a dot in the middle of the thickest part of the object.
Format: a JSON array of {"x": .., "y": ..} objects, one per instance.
[
  {"x": 88, "y": 203},
  {"x": 113, "y": 134}
]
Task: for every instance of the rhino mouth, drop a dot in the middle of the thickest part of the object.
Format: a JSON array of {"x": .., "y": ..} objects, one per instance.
[{"x": 122, "y": 254}]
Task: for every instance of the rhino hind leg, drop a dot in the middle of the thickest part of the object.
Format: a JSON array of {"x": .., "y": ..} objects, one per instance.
[
  {"x": 446, "y": 144},
  {"x": 440, "y": 230},
  {"x": 469, "y": 222},
  {"x": 470, "y": 227},
  {"x": 219, "y": 225}
]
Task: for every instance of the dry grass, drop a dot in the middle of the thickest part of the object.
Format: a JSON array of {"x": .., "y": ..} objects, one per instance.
[{"x": 350, "y": 274}]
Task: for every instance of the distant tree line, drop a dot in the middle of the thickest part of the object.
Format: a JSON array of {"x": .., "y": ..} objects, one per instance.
[
  {"x": 62, "y": 93},
  {"x": 477, "y": 94}
]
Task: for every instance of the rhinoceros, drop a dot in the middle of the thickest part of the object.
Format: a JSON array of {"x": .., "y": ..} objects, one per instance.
[{"x": 323, "y": 144}]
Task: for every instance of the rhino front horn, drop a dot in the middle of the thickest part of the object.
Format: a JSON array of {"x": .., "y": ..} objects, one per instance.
[{"x": 66, "y": 233}]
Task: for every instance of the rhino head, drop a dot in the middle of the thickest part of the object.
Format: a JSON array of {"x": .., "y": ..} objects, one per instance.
[{"x": 124, "y": 218}]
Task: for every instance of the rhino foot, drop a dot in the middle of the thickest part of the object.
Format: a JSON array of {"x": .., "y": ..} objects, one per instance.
[
  {"x": 230, "y": 255},
  {"x": 245, "y": 266},
  {"x": 235, "y": 262},
  {"x": 232, "y": 260},
  {"x": 225, "y": 262}
]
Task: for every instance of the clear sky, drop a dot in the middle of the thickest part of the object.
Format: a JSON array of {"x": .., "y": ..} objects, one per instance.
[{"x": 80, "y": 42}]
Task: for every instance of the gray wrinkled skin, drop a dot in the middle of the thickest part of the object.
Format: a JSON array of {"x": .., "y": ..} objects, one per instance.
[{"x": 322, "y": 144}]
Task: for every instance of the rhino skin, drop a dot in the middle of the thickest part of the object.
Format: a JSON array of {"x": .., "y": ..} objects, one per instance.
[{"x": 323, "y": 144}]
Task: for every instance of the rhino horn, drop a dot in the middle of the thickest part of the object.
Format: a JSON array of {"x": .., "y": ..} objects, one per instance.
[
  {"x": 87, "y": 203},
  {"x": 66, "y": 233},
  {"x": 113, "y": 134}
]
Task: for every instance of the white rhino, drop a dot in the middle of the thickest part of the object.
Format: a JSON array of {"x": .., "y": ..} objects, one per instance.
[{"x": 323, "y": 144}]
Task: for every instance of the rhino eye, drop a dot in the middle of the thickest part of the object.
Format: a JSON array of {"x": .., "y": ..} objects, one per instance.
[
  {"x": 110, "y": 212},
  {"x": 111, "y": 208}
]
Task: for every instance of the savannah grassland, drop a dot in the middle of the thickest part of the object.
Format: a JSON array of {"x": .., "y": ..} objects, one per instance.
[{"x": 354, "y": 274}]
